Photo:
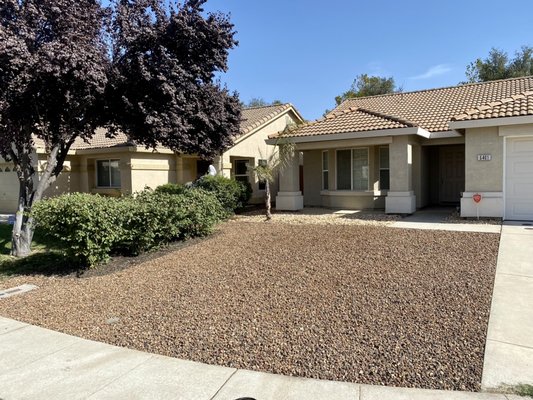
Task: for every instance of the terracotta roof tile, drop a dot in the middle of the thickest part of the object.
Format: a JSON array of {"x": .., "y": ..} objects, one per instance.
[
  {"x": 430, "y": 109},
  {"x": 98, "y": 141},
  {"x": 514, "y": 106},
  {"x": 352, "y": 119},
  {"x": 253, "y": 117}
]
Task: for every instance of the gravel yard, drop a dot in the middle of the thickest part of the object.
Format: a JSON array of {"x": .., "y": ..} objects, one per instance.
[{"x": 360, "y": 303}]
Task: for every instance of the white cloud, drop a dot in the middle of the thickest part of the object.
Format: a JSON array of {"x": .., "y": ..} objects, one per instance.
[{"x": 436, "y": 70}]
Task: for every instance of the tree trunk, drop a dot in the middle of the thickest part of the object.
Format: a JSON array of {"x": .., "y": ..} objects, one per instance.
[
  {"x": 22, "y": 230},
  {"x": 267, "y": 200},
  {"x": 24, "y": 226}
]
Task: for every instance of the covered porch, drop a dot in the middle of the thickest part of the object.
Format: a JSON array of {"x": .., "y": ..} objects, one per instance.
[{"x": 398, "y": 173}]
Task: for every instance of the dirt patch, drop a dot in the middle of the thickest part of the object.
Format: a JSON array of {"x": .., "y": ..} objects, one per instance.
[{"x": 365, "y": 304}]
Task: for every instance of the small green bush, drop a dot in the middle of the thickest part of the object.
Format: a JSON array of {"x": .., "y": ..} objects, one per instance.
[
  {"x": 232, "y": 194},
  {"x": 91, "y": 227},
  {"x": 171, "y": 188},
  {"x": 152, "y": 219},
  {"x": 85, "y": 226}
]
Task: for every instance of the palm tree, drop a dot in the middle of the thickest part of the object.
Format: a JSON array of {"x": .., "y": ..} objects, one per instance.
[{"x": 278, "y": 159}]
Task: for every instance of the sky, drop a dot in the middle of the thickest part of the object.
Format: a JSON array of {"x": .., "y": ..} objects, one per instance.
[{"x": 306, "y": 52}]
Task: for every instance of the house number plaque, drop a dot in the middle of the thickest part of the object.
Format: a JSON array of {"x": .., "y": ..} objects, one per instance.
[{"x": 484, "y": 157}]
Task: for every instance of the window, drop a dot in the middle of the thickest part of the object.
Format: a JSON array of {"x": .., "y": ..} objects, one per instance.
[
  {"x": 325, "y": 170},
  {"x": 384, "y": 171},
  {"x": 108, "y": 173},
  {"x": 241, "y": 170},
  {"x": 262, "y": 184},
  {"x": 352, "y": 169}
]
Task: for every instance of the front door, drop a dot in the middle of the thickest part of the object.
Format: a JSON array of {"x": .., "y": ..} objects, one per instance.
[{"x": 452, "y": 173}]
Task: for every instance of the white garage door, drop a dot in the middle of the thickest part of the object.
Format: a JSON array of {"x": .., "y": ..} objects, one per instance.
[
  {"x": 519, "y": 179},
  {"x": 9, "y": 190}
]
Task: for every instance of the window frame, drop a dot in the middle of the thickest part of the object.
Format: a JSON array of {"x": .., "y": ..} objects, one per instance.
[
  {"x": 110, "y": 174},
  {"x": 325, "y": 182},
  {"x": 383, "y": 169},
  {"x": 246, "y": 163},
  {"x": 351, "y": 169}
]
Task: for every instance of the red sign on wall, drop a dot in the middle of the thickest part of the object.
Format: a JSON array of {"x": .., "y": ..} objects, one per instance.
[{"x": 476, "y": 198}]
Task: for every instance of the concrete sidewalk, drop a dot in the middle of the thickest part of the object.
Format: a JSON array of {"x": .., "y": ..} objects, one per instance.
[
  {"x": 509, "y": 348},
  {"x": 37, "y": 363},
  {"x": 436, "y": 219}
]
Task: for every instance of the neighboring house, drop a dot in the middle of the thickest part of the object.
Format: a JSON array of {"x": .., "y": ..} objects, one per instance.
[
  {"x": 405, "y": 151},
  {"x": 117, "y": 166}
]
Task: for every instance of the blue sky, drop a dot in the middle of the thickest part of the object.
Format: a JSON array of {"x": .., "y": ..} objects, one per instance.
[{"x": 306, "y": 51}]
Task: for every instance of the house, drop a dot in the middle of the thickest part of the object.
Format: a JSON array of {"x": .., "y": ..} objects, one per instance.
[
  {"x": 117, "y": 166},
  {"x": 469, "y": 145}
]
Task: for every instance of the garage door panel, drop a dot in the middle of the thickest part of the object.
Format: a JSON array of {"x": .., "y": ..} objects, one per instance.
[
  {"x": 522, "y": 191},
  {"x": 522, "y": 167},
  {"x": 519, "y": 178},
  {"x": 521, "y": 145},
  {"x": 9, "y": 191}
]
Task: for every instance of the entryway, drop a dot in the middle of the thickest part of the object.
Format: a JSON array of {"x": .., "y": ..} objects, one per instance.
[{"x": 446, "y": 174}]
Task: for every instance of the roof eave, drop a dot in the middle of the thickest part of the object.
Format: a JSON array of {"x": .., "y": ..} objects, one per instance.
[
  {"x": 487, "y": 122},
  {"x": 356, "y": 135}
]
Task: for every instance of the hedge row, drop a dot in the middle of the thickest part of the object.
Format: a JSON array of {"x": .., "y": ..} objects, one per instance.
[
  {"x": 232, "y": 194},
  {"x": 89, "y": 228}
]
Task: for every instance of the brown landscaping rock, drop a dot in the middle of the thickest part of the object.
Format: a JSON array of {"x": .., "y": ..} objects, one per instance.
[{"x": 367, "y": 304}]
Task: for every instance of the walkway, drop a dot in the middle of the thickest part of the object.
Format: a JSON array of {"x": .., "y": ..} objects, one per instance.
[
  {"x": 41, "y": 364},
  {"x": 436, "y": 218},
  {"x": 509, "y": 349}
]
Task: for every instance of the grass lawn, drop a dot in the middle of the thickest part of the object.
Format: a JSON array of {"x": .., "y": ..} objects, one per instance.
[
  {"x": 366, "y": 304},
  {"x": 43, "y": 260}
]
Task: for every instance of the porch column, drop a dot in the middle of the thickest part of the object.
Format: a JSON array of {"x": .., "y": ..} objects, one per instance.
[
  {"x": 223, "y": 165},
  {"x": 289, "y": 196},
  {"x": 401, "y": 198},
  {"x": 84, "y": 175}
]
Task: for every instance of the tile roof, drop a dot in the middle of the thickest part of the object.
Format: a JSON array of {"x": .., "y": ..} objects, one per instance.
[
  {"x": 352, "y": 119},
  {"x": 430, "y": 109},
  {"x": 98, "y": 141},
  {"x": 253, "y": 117},
  {"x": 514, "y": 106}
]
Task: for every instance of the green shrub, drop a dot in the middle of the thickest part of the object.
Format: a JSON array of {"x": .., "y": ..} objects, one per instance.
[
  {"x": 85, "y": 226},
  {"x": 171, "y": 188},
  {"x": 152, "y": 218},
  {"x": 232, "y": 194},
  {"x": 90, "y": 227}
]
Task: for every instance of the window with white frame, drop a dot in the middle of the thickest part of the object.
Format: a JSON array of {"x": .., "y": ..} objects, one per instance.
[
  {"x": 325, "y": 170},
  {"x": 262, "y": 183},
  {"x": 241, "y": 170},
  {"x": 352, "y": 169},
  {"x": 384, "y": 169},
  {"x": 108, "y": 173}
]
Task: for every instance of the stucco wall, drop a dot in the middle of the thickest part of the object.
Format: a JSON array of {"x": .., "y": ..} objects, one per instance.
[
  {"x": 254, "y": 147},
  {"x": 151, "y": 170},
  {"x": 483, "y": 175}
]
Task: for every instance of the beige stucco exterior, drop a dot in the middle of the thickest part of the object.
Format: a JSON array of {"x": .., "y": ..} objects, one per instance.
[
  {"x": 140, "y": 167},
  {"x": 409, "y": 165}
]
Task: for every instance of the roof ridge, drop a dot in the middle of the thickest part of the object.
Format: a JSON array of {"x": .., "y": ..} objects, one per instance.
[
  {"x": 389, "y": 117},
  {"x": 438, "y": 88},
  {"x": 270, "y": 105}
]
